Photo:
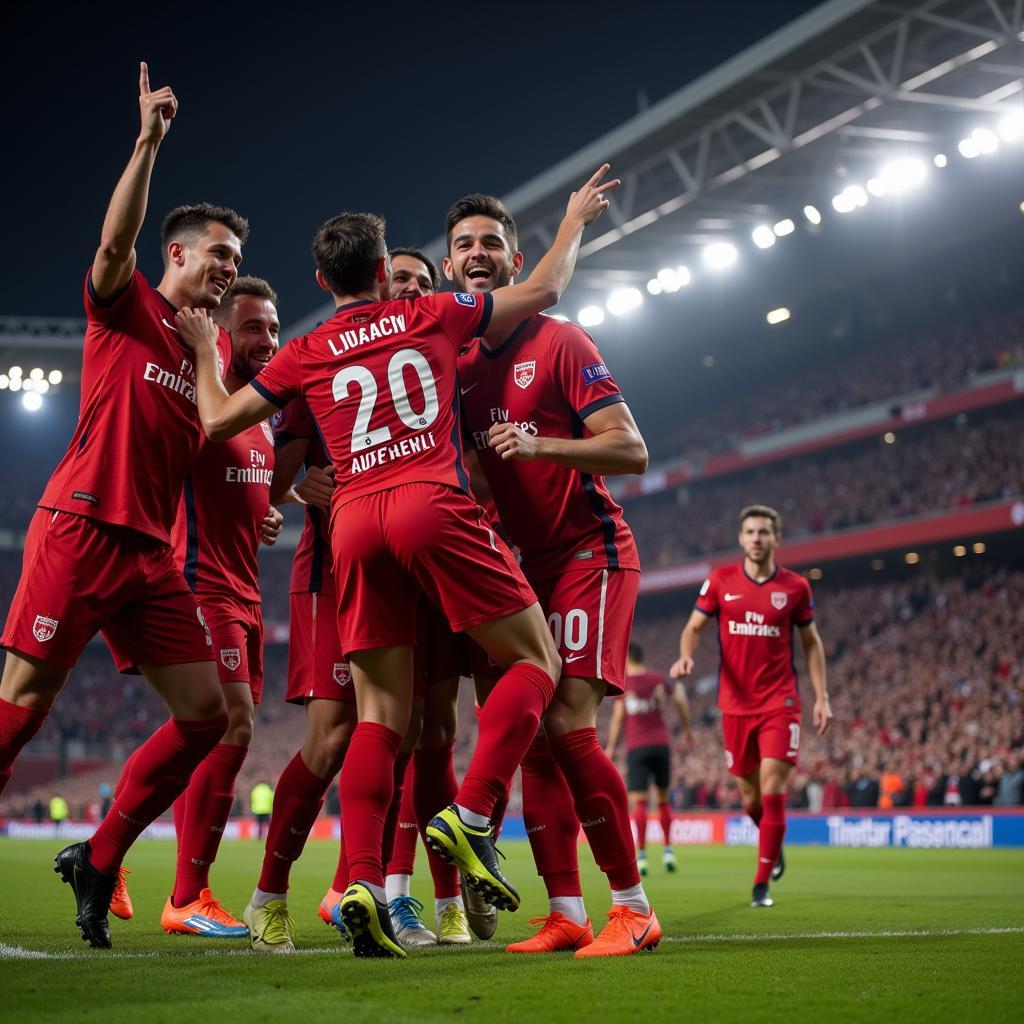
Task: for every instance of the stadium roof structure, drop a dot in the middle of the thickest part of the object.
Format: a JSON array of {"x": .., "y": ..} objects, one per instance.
[{"x": 789, "y": 121}]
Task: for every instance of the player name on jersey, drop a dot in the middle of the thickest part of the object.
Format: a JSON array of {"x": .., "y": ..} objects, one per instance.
[
  {"x": 407, "y": 446},
  {"x": 386, "y": 327}
]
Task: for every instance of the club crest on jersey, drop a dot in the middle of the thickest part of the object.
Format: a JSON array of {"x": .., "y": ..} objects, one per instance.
[
  {"x": 523, "y": 373},
  {"x": 779, "y": 599},
  {"x": 44, "y": 628},
  {"x": 465, "y": 298},
  {"x": 230, "y": 658},
  {"x": 342, "y": 673},
  {"x": 267, "y": 432}
]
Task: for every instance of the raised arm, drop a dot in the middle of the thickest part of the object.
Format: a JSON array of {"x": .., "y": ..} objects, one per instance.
[
  {"x": 114, "y": 263},
  {"x": 221, "y": 414},
  {"x": 614, "y": 448},
  {"x": 544, "y": 287},
  {"x": 688, "y": 641},
  {"x": 814, "y": 651}
]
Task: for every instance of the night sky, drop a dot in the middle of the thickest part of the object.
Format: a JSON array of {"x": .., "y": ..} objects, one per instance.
[{"x": 291, "y": 118}]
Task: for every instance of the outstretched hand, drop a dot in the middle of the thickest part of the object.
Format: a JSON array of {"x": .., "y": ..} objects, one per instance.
[
  {"x": 589, "y": 202},
  {"x": 156, "y": 108}
]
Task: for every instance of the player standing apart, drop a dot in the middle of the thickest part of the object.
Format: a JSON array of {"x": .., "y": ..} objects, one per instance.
[
  {"x": 758, "y": 605},
  {"x": 97, "y": 554},
  {"x": 648, "y": 746},
  {"x": 380, "y": 378},
  {"x": 549, "y": 422}
]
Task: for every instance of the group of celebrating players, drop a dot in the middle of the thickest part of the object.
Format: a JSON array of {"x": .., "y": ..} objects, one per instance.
[{"x": 194, "y": 425}]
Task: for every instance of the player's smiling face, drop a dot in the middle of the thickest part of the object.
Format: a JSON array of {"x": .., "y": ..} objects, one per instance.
[
  {"x": 758, "y": 539},
  {"x": 254, "y": 329},
  {"x": 410, "y": 278},
  {"x": 481, "y": 258},
  {"x": 208, "y": 268}
]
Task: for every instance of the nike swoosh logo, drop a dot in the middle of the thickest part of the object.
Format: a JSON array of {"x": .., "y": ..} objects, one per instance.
[
  {"x": 638, "y": 939},
  {"x": 573, "y": 657},
  {"x": 166, "y": 324},
  {"x": 733, "y": 597},
  {"x": 466, "y": 391}
]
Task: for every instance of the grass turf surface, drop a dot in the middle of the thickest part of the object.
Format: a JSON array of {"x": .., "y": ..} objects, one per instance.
[{"x": 821, "y": 952}]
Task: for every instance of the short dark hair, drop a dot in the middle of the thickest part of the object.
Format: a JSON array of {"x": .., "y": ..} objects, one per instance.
[
  {"x": 419, "y": 254},
  {"x": 347, "y": 249},
  {"x": 636, "y": 653},
  {"x": 187, "y": 224},
  {"x": 249, "y": 285},
  {"x": 762, "y": 512},
  {"x": 480, "y": 205}
]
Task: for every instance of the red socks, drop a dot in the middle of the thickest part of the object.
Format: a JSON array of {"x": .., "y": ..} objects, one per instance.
[
  {"x": 640, "y": 820},
  {"x": 601, "y": 803},
  {"x": 551, "y": 823},
  {"x": 665, "y": 813},
  {"x": 160, "y": 771},
  {"x": 297, "y": 802},
  {"x": 773, "y": 829},
  {"x": 367, "y": 783},
  {"x": 395, "y": 812},
  {"x": 17, "y": 726},
  {"x": 340, "y": 883},
  {"x": 508, "y": 722},
  {"x": 433, "y": 785},
  {"x": 207, "y": 806}
]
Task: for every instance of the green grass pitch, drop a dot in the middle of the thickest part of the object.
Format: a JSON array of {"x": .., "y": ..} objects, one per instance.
[{"x": 856, "y": 935}]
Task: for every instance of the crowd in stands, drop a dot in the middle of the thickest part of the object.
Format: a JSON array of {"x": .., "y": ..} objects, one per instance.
[
  {"x": 927, "y": 686},
  {"x": 948, "y": 465}
]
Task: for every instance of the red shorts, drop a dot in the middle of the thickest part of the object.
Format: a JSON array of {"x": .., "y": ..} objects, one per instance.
[
  {"x": 751, "y": 738},
  {"x": 315, "y": 665},
  {"x": 590, "y": 614},
  {"x": 237, "y": 630},
  {"x": 393, "y": 545},
  {"x": 81, "y": 576}
]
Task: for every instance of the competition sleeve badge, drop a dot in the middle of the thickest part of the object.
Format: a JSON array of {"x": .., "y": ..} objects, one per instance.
[
  {"x": 523, "y": 373},
  {"x": 44, "y": 628},
  {"x": 231, "y": 658}
]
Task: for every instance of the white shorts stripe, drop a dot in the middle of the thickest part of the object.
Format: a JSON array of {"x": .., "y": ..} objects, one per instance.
[{"x": 600, "y": 622}]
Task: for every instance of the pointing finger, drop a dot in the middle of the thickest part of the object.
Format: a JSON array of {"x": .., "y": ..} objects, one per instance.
[
  {"x": 598, "y": 174},
  {"x": 143, "y": 78}
]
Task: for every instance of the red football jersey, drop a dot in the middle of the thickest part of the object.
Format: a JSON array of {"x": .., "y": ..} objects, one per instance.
[
  {"x": 645, "y": 721},
  {"x": 547, "y": 378},
  {"x": 226, "y": 497},
  {"x": 380, "y": 380},
  {"x": 313, "y": 564},
  {"x": 138, "y": 427},
  {"x": 755, "y": 629}
]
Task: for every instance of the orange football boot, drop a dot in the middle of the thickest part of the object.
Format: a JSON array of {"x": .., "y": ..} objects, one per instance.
[
  {"x": 121, "y": 902},
  {"x": 204, "y": 916},
  {"x": 327, "y": 905},
  {"x": 559, "y": 933},
  {"x": 626, "y": 932}
]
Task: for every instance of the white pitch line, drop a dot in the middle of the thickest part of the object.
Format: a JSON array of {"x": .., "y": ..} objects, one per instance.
[{"x": 20, "y": 953}]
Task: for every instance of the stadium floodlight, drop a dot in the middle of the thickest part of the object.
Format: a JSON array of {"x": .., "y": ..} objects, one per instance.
[
  {"x": 985, "y": 140},
  {"x": 1011, "y": 127},
  {"x": 684, "y": 276},
  {"x": 784, "y": 227},
  {"x": 849, "y": 199},
  {"x": 14, "y": 372},
  {"x": 940, "y": 160},
  {"x": 14, "y": 384},
  {"x": 623, "y": 300},
  {"x": 654, "y": 286},
  {"x": 876, "y": 186},
  {"x": 55, "y": 377},
  {"x": 899, "y": 175},
  {"x": 37, "y": 373},
  {"x": 813, "y": 214},
  {"x": 42, "y": 386},
  {"x": 720, "y": 255},
  {"x": 968, "y": 148},
  {"x": 32, "y": 401},
  {"x": 590, "y": 316},
  {"x": 669, "y": 280},
  {"x": 778, "y": 316},
  {"x": 763, "y": 236},
  {"x": 4, "y": 381}
]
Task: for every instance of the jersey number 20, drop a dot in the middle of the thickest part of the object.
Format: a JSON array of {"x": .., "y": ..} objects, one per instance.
[{"x": 362, "y": 436}]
